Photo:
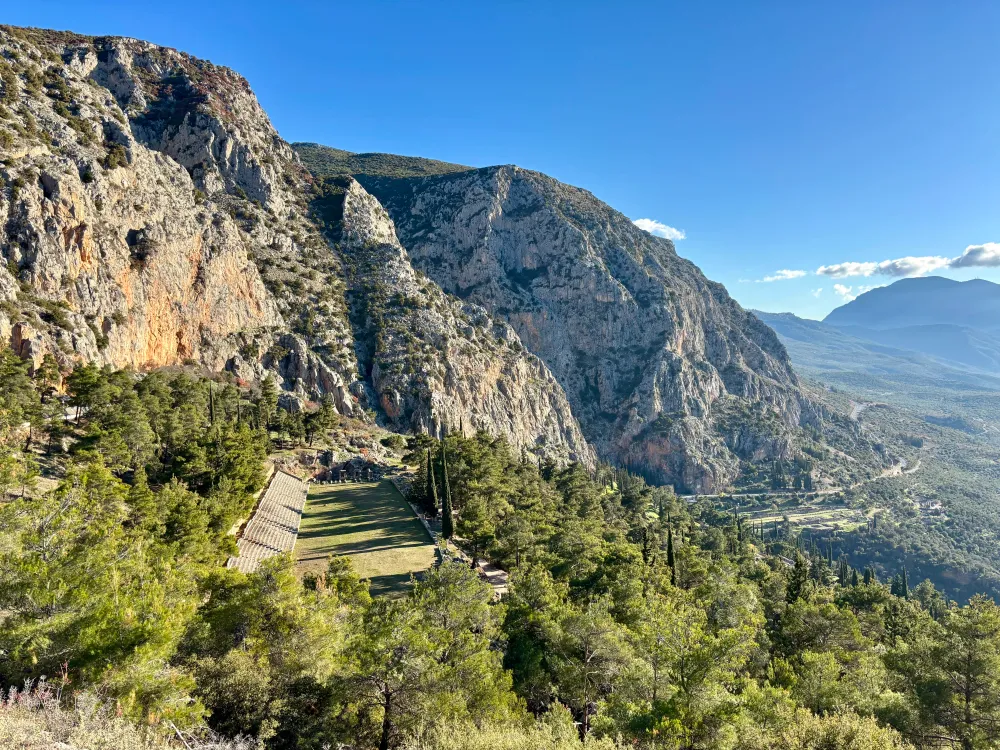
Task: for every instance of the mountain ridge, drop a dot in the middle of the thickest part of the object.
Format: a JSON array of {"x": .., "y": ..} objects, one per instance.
[
  {"x": 153, "y": 216},
  {"x": 921, "y": 301},
  {"x": 485, "y": 247}
]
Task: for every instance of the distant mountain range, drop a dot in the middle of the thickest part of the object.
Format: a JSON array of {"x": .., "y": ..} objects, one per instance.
[
  {"x": 931, "y": 330},
  {"x": 957, "y": 323},
  {"x": 930, "y": 300}
]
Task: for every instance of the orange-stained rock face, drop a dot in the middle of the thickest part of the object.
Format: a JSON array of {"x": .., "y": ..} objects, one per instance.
[
  {"x": 159, "y": 279},
  {"x": 136, "y": 224}
]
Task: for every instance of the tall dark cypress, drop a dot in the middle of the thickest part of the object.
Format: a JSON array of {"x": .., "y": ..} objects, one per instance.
[
  {"x": 670, "y": 556},
  {"x": 904, "y": 587},
  {"x": 447, "y": 520},
  {"x": 430, "y": 493}
]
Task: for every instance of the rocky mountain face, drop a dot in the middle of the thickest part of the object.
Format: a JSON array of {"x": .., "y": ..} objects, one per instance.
[
  {"x": 666, "y": 373},
  {"x": 436, "y": 363},
  {"x": 148, "y": 211},
  {"x": 152, "y": 216}
]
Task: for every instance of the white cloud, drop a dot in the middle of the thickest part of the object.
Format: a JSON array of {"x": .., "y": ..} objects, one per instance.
[
  {"x": 784, "y": 274},
  {"x": 817, "y": 292},
  {"x": 900, "y": 267},
  {"x": 849, "y": 293},
  {"x": 660, "y": 229},
  {"x": 844, "y": 291},
  {"x": 842, "y": 270},
  {"x": 986, "y": 255},
  {"x": 912, "y": 266}
]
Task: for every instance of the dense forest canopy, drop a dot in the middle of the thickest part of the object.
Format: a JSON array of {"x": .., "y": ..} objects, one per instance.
[{"x": 633, "y": 619}]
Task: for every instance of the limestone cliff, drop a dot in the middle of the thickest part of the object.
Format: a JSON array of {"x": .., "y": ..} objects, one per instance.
[
  {"x": 150, "y": 215},
  {"x": 664, "y": 370},
  {"x": 143, "y": 190},
  {"x": 437, "y": 363}
]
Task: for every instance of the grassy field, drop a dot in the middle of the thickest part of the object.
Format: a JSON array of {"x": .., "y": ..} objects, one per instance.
[{"x": 373, "y": 525}]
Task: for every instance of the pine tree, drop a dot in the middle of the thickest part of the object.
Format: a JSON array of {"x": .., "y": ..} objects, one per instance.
[
  {"x": 447, "y": 518},
  {"x": 798, "y": 580}
]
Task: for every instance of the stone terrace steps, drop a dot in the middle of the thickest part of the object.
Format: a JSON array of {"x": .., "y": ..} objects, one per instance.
[{"x": 275, "y": 526}]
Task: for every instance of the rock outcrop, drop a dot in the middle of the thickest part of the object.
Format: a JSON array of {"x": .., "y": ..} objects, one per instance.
[{"x": 665, "y": 371}]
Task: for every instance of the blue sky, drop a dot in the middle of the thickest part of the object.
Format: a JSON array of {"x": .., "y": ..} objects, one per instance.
[{"x": 777, "y": 136}]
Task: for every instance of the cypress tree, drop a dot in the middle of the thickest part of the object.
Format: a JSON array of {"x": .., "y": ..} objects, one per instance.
[
  {"x": 670, "y": 556},
  {"x": 904, "y": 588},
  {"x": 869, "y": 576},
  {"x": 447, "y": 520},
  {"x": 430, "y": 493},
  {"x": 854, "y": 579}
]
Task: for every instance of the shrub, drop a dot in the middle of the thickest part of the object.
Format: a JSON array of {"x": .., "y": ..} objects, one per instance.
[
  {"x": 35, "y": 718},
  {"x": 395, "y": 443},
  {"x": 115, "y": 157}
]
